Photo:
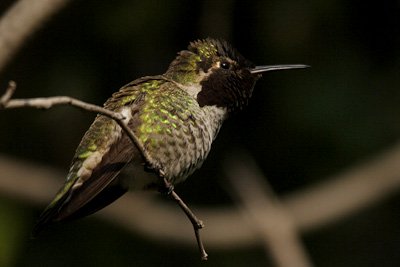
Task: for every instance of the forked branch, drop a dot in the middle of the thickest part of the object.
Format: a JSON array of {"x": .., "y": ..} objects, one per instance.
[{"x": 197, "y": 224}]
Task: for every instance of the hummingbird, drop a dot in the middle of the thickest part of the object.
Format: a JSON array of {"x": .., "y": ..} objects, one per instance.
[{"x": 175, "y": 116}]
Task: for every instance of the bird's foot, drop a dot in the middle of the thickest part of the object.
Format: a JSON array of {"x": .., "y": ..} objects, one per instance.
[{"x": 166, "y": 188}]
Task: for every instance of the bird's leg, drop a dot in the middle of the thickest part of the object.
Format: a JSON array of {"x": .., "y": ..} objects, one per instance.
[{"x": 197, "y": 224}]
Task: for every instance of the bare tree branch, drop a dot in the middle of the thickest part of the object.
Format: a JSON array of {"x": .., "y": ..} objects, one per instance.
[{"x": 22, "y": 20}]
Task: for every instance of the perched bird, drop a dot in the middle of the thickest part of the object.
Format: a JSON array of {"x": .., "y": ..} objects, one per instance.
[{"x": 175, "y": 117}]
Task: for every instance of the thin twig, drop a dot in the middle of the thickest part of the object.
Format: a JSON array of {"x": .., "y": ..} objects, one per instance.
[
  {"x": 197, "y": 224},
  {"x": 45, "y": 103}
]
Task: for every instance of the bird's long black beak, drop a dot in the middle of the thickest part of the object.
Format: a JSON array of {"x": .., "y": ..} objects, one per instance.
[{"x": 261, "y": 69}]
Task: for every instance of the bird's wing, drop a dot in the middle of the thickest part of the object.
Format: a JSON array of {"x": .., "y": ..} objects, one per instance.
[
  {"x": 90, "y": 186},
  {"x": 104, "y": 151}
]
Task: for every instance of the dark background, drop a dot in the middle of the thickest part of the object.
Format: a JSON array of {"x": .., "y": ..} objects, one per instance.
[{"x": 301, "y": 126}]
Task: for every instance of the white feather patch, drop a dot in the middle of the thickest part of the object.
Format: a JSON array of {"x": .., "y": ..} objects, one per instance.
[{"x": 88, "y": 165}]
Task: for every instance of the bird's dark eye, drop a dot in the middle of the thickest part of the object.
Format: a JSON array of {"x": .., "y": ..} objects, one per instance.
[{"x": 225, "y": 65}]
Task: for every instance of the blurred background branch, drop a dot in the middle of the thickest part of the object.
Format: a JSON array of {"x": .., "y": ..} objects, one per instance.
[
  {"x": 319, "y": 205},
  {"x": 265, "y": 212},
  {"x": 21, "y": 20}
]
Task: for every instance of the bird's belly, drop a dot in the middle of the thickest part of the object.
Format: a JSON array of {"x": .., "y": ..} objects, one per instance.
[{"x": 181, "y": 153}]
